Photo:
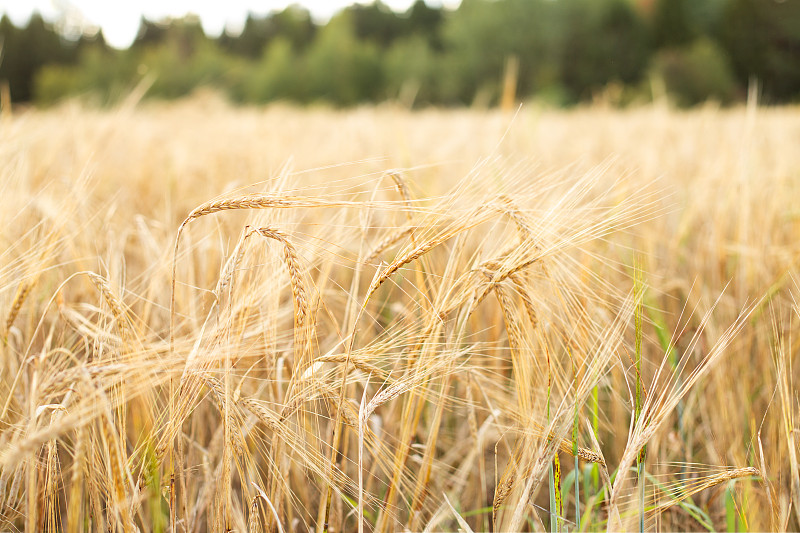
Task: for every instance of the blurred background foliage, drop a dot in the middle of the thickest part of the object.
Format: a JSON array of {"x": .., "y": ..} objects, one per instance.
[{"x": 565, "y": 51}]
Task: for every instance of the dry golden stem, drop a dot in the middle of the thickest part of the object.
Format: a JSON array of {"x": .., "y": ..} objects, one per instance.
[
  {"x": 422, "y": 490},
  {"x": 51, "y": 482},
  {"x": 118, "y": 474},
  {"x": 74, "y": 506}
]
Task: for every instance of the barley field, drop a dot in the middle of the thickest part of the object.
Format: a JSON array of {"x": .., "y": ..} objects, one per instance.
[{"x": 275, "y": 319}]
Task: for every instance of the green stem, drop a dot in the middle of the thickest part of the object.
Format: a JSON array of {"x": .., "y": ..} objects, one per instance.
[
  {"x": 596, "y": 430},
  {"x": 641, "y": 495},
  {"x": 555, "y": 474},
  {"x": 575, "y": 447},
  {"x": 577, "y": 497},
  {"x": 553, "y": 515}
]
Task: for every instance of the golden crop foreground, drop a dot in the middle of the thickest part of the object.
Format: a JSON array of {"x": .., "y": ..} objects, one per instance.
[{"x": 275, "y": 319}]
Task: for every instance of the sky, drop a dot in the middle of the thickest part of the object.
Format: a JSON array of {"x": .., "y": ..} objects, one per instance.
[{"x": 119, "y": 20}]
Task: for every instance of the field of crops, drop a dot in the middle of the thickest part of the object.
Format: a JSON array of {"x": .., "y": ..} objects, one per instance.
[{"x": 275, "y": 319}]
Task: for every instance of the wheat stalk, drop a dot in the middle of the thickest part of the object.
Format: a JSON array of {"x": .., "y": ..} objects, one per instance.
[{"x": 74, "y": 506}]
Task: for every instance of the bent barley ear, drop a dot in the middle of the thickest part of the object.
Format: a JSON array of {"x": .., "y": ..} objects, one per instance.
[{"x": 293, "y": 267}]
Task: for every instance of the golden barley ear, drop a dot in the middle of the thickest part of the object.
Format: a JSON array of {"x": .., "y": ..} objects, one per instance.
[
  {"x": 293, "y": 267},
  {"x": 118, "y": 309},
  {"x": 22, "y": 293}
]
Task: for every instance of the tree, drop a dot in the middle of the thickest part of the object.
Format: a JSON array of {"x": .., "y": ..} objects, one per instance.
[
  {"x": 105, "y": 74},
  {"x": 376, "y": 23},
  {"x": 293, "y": 24},
  {"x": 341, "y": 69},
  {"x": 604, "y": 41},
  {"x": 187, "y": 35},
  {"x": 87, "y": 42},
  {"x": 480, "y": 36},
  {"x": 696, "y": 73},
  {"x": 763, "y": 41},
  {"x": 411, "y": 69},
  {"x": 278, "y": 75},
  {"x": 672, "y": 24},
  {"x": 25, "y": 51},
  {"x": 251, "y": 41},
  {"x": 426, "y": 22},
  {"x": 150, "y": 33}
]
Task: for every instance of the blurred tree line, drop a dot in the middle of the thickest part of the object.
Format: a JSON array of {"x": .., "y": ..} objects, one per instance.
[{"x": 567, "y": 51}]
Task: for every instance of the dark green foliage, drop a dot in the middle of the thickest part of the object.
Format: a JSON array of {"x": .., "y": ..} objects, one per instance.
[
  {"x": 185, "y": 36},
  {"x": 480, "y": 37},
  {"x": 151, "y": 33},
  {"x": 278, "y": 75},
  {"x": 568, "y": 51},
  {"x": 697, "y": 73},
  {"x": 604, "y": 41},
  {"x": 672, "y": 23},
  {"x": 107, "y": 74},
  {"x": 706, "y": 16},
  {"x": 182, "y": 62},
  {"x": 177, "y": 74},
  {"x": 340, "y": 68},
  {"x": 762, "y": 38},
  {"x": 28, "y": 49},
  {"x": 425, "y": 21},
  {"x": 375, "y": 23},
  {"x": 293, "y": 24},
  {"x": 378, "y": 24},
  {"x": 411, "y": 71}
]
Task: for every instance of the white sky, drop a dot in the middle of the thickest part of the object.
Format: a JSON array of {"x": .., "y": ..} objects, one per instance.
[{"x": 119, "y": 19}]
